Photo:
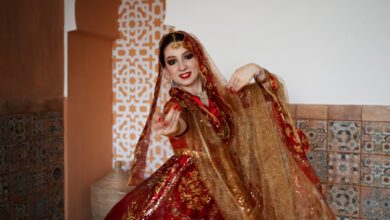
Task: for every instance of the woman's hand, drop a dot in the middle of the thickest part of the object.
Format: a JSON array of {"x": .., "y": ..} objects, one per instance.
[
  {"x": 242, "y": 76},
  {"x": 169, "y": 124}
]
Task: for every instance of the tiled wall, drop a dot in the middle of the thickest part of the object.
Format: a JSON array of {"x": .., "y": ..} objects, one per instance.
[
  {"x": 31, "y": 159},
  {"x": 350, "y": 151}
]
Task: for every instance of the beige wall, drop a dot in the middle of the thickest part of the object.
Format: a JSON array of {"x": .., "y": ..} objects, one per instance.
[{"x": 88, "y": 108}]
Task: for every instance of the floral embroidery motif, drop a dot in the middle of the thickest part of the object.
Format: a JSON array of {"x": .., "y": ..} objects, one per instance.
[{"x": 193, "y": 193}]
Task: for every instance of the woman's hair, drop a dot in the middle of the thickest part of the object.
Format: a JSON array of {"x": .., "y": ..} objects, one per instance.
[{"x": 165, "y": 41}]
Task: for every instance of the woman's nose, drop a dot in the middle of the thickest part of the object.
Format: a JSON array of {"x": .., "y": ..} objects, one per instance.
[{"x": 182, "y": 65}]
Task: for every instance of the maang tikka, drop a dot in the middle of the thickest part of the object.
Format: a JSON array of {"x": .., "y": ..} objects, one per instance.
[{"x": 175, "y": 44}]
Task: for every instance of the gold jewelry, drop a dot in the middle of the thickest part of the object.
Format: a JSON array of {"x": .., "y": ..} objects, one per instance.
[
  {"x": 175, "y": 44},
  {"x": 203, "y": 97}
]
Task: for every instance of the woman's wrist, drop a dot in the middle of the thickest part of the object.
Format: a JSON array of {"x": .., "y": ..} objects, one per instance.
[{"x": 260, "y": 75}]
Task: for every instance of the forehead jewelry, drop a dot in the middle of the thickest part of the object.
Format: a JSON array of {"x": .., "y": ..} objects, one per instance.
[{"x": 175, "y": 44}]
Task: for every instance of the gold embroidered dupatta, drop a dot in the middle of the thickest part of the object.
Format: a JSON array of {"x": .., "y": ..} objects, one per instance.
[{"x": 254, "y": 167}]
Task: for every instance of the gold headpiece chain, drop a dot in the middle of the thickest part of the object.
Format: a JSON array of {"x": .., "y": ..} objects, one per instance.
[{"x": 175, "y": 44}]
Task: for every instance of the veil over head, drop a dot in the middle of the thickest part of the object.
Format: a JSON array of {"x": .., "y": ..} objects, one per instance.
[{"x": 212, "y": 81}]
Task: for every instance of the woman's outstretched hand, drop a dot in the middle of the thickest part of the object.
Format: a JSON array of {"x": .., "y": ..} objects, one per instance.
[
  {"x": 242, "y": 76},
  {"x": 169, "y": 124}
]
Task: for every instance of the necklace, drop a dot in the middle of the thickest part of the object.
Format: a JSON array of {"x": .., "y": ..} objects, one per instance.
[{"x": 203, "y": 97}]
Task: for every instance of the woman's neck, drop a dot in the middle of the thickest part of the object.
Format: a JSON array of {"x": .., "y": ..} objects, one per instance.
[{"x": 193, "y": 89}]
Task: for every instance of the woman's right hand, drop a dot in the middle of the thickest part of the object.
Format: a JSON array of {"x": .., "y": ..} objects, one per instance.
[{"x": 170, "y": 123}]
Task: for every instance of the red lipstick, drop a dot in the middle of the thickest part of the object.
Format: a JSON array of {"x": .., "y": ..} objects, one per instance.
[{"x": 185, "y": 75}]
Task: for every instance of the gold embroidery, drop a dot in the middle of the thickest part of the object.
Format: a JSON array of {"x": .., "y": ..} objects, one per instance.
[
  {"x": 175, "y": 44},
  {"x": 130, "y": 214},
  {"x": 193, "y": 193}
]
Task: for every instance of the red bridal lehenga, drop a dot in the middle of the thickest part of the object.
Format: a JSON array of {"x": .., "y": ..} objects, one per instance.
[{"x": 240, "y": 158}]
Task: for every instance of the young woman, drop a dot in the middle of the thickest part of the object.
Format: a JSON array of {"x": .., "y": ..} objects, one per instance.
[{"x": 237, "y": 152}]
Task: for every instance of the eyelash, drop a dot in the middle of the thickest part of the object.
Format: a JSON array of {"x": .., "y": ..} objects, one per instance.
[{"x": 187, "y": 57}]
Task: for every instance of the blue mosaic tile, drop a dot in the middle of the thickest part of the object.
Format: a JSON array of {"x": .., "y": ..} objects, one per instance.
[
  {"x": 19, "y": 184},
  {"x": 39, "y": 123},
  {"x": 375, "y": 170},
  {"x": 316, "y": 133},
  {"x": 3, "y": 188},
  {"x": 318, "y": 161},
  {"x": 40, "y": 205},
  {"x": 344, "y": 136},
  {"x": 57, "y": 203},
  {"x": 375, "y": 203},
  {"x": 19, "y": 156},
  {"x": 39, "y": 155},
  {"x": 56, "y": 177},
  {"x": 4, "y": 130},
  {"x": 19, "y": 209},
  {"x": 19, "y": 128},
  {"x": 345, "y": 218},
  {"x": 55, "y": 124},
  {"x": 4, "y": 211},
  {"x": 376, "y": 138},
  {"x": 56, "y": 149},
  {"x": 39, "y": 179},
  {"x": 343, "y": 167},
  {"x": 4, "y": 158},
  {"x": 343, "y": 200}
]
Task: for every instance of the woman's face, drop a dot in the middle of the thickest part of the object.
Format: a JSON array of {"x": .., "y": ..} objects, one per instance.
[{"x": 182, "y": 67}]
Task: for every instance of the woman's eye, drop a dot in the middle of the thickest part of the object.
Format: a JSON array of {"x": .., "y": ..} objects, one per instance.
[
  {"x": 171, "y": 62},
  {"x": 189, "y": 56}
]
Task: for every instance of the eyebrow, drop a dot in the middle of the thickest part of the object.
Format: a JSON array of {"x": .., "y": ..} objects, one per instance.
[{"x": 181, "y": 54}]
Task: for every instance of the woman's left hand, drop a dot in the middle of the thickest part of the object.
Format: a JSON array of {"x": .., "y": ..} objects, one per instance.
[{"x": 242, "y": 76}]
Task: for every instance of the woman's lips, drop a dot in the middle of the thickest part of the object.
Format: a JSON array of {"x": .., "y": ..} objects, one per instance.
[{"x": 185, "y": 75}]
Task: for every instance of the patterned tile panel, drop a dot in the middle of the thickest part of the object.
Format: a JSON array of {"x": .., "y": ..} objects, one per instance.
[
  {"x": 19, "y": 209},
  {"x": 57, "y": 203},
  {"x": 19, "y": 128},
  {"x": 4, "y": 158},
  {"x": 376, "y": 138},
  {"x": 40, "y": 206},
  {"x": 39, "y": 179},
  {"x": 56, "y": 175},
  {"x": 343, "y": 167},
  {"x": 39, "y": 124},
  {"x": 375, "y": 203},
  {"x": 20, "y": 183},
  {"x": 345, "y": 218},
  {"x": 31, "y": 164},
  {"x": 343, "y": 200},
  {"x": 375, "y": 170},
  {"x": 344, "y": 136},
  {"x": 134, "y": 74},
  {"x": 3, "y": 188},
  {"x": 19, "y": 156},
  {"x": 55, "y": 145},
  {"x": 318, "y": 161},
  {"x": 4, "y": 211},
  {"x": 39, "y": 155},
  {"x": 316, "y": 132},
  {"x": 55, "y": 125},
  {"x": 4, "y": 129}
]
